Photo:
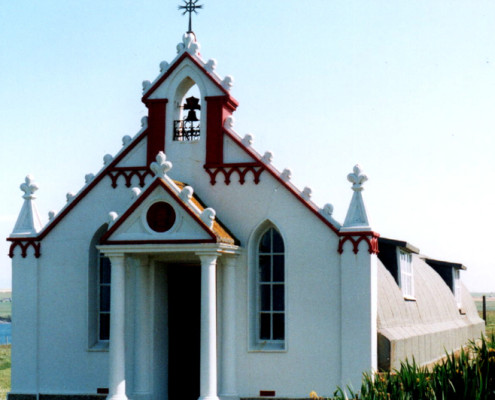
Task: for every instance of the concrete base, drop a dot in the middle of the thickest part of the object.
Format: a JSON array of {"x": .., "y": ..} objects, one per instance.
[{"x": 18, "y": 396}]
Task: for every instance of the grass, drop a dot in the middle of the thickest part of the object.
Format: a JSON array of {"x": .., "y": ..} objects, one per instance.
[
  {"x": 490, "y": 316},
  {"x": 4, "y": 371},
  {"x": 468, "y": 376}
]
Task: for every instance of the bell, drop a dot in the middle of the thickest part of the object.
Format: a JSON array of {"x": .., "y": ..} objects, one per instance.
[{"x": 191, "y": 116}]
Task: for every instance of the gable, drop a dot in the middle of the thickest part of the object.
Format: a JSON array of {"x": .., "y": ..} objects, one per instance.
[
  {"x": 185, "y": 66},
  {"x": 167, "y": 213}
]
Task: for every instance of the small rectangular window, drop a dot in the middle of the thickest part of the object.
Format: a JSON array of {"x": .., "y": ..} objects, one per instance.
[
  {"x": 457, "y": 288},
  {"x": 406, "y": 273}
]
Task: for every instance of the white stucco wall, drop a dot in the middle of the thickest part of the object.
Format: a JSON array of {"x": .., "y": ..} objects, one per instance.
[{"x": 311, "y": 359}]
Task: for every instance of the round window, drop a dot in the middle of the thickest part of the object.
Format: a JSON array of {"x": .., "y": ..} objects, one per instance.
[{"x": 160, "y": 217}]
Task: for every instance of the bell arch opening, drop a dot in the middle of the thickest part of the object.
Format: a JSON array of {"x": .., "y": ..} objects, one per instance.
[{"x": 187, "y": 112}]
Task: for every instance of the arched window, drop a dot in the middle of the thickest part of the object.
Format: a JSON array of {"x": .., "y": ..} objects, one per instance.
[
  {"x": 103, "y": 307},
  {"x": 98, "y": 294},
  {"x": 270, "y": 284}
]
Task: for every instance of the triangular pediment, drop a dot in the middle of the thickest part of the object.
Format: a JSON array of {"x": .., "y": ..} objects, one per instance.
[
  {"x": 185, "y": 65},
  {"x": 166, "y": 212}
]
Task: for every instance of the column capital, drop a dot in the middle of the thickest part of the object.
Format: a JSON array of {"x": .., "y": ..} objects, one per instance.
[
  {"x": 116, "y": 257},
  {"x": 208, "y": 256}
]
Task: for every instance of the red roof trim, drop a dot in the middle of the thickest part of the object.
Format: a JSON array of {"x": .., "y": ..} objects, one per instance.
[
  {"x": 90, "y": 187},
  {"x": 142, "y": 198},
  {"x": 287, "y": 185},
  {"x": 186, "y": 54},
  {"x": 178, "y": 241}
]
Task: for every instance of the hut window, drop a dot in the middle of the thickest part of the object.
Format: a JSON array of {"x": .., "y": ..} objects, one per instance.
[
  {"x": 406, "y": 273},
  {"x": 457, "y": 287}
]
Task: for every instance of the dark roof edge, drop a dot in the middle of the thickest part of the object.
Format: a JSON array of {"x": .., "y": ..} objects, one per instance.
[
  {"x": 399, "y": 243},
  {"x": 446, "y": 264}
]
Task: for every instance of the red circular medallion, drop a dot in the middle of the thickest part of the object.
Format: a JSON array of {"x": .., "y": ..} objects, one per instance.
[{"x": 160, "y": 217}]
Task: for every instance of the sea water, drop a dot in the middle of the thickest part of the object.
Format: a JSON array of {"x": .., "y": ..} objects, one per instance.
[{"x": 5, "y": 333}]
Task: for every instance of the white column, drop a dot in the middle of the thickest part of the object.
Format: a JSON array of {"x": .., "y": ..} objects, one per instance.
[
  {"x": 142, "y": 327},
  {"x": 229, "y": 389},
  {"x": 208, "y": 356},
  {"x": 117, "y": 331}
]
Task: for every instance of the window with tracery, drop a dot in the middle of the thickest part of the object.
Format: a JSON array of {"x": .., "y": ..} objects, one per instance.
[{"x": 271, "y": 287}]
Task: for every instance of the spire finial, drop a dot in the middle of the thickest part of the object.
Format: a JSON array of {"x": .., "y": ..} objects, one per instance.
[
  {"x": 357, "y": 217},
  {"x": 190, "y": 6}
]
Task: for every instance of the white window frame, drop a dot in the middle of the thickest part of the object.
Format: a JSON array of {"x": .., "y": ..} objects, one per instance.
[
  {"x": 405, "y": 273},
  {"x": 256, "y": 343},
  {"x": 94, "y": 342},
  {"x": 457, "y": 286}
]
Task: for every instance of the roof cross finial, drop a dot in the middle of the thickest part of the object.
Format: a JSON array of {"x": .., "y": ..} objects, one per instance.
[{"x": 190, "y": 7}]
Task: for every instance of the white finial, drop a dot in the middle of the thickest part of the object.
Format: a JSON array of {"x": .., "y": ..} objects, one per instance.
[
  {"x": 29, "y": 187},
  {"x": 248, "y": 139},
  {"x": 211, "y": 65},
  {"x": 144, "y": 122},
  {"x": 186, "y": 193},
  {"x": 306, "y": 193},
  {"x": 126, "y": 140},
  {"x": 135, "y": 192},
  {"x": 229, "y": 122},
  {"x": 328, "y": 209},
  {"x": 112, "y": 217},
  {"x": 228, "y": 82},
  {"x": 28, "y": 222},
  {"x": 357, "y": 217},
  {"x": 286, "y": 174},
  {"x": 163, "y": 66},
  {"x": 208, "y": 216},
  {"x": 357, "y": 178},
  {"x": 160, "y": 167},
  {"x": 88, "y": 178},
  {"x": 267, "y": 157},
  {"x": 107, "y": 159},
  {"x": 188, "y": 44},
  {"x": 69, "y": 197},
  {"x": 51, "y": 215},
  {"x": 146, "y": 86}
]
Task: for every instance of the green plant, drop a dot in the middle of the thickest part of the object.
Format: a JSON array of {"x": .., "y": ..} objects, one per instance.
[{"x": 470, "y": 375}]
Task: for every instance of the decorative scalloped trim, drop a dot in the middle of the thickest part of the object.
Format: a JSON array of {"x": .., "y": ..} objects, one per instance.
[
  {"x": 128, "y": 173},
  {"x": 357, "y": 237},
  {"x": 228, "y": 169},
  {"x": 25, "y": 244}
]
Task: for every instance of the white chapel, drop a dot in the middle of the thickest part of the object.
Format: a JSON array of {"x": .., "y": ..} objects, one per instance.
[{"x": 190, "y": 267}]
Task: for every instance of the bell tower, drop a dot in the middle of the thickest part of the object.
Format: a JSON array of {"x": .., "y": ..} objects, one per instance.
[{"x": 188, "y": 104}]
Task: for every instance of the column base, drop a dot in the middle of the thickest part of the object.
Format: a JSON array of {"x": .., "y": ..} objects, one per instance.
[
  {"x": 117, "y": 397},
  {"x": 208, "y": 398}
]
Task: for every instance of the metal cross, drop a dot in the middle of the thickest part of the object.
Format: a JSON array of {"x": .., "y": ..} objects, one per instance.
[{"x": 190, "y": 6}]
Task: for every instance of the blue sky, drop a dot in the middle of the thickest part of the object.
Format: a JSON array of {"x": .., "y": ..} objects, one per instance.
[{"x": 406, "y": 89}]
